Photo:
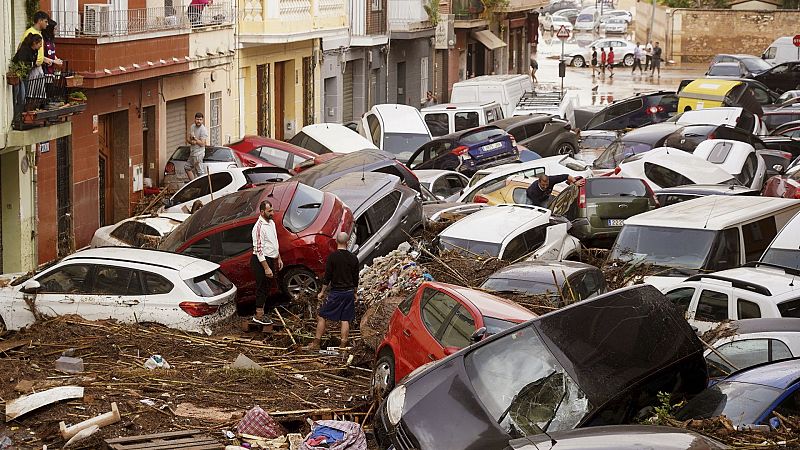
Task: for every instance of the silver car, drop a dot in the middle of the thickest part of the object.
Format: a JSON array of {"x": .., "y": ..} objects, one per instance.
[
  {"x": 215, "y": 160},
  {"x": 616, "y": 25},
  {"x": 623, "y": 52}
]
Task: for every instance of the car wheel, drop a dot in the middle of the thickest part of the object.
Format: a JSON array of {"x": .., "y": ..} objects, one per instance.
[
  {"x": 383, "y": 375},
  {"x": 299, "y": 281},
  {"x": 565, "y": 148},
  {"x": 3, "y": 329},
  {"x": 628, "y": 60},
  {"x": 578, "y": 61}
]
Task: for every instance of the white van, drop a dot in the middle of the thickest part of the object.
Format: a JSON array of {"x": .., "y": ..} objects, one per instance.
[
  {"x": 781, "y": 51},
  {"x": 397, "y": 129},
  {"x": 705, "y": 234},
  {"x": 323, "y": 138},
  {"x": 784, "y": 251},
  {"x": 503, "y": 89},
  {"x": 451, "y": 117}
]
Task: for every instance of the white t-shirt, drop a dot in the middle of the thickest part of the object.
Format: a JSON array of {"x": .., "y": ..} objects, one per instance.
[{"x": 648, "y": 49}]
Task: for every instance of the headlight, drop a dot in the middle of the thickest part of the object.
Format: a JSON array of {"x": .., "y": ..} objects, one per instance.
[{"x": 395, "y": 403}]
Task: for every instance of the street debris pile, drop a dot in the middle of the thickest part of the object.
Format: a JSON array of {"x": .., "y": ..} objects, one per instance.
[{"x": 160, "y": 380}]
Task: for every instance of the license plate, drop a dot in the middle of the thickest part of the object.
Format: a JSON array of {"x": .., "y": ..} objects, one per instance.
[
  {"x": 616, "y": 222},
  {"x": 490, "y": 147}
]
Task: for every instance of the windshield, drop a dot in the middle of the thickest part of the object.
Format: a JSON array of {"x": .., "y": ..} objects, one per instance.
[
  {"x": 679, "y": 248},
  {"x": 600, "y": 141},
  {"x": 615, "y": 187},
  {"x": 516, "y": 285},
  {"x": 303, "y": 209},
  {"x": 403, "y": 145},
  {"x": 585, "y": 18},
  {"x": 725, "y": 70},
  {"x": 743, "y": 403},
  {"x": 219, "y": 154},
  {"x": 470, "y": 248},
  {"x": 523, "y": 387},
  {"x": 618, "y": 151},
  {"x": 494, "y": 325},
  {"x": 755, "y": 64},
  {"x": 782, "y": 257}
]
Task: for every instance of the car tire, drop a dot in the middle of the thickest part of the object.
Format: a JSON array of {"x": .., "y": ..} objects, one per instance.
[
  {"x": 578, "y": 61},
  {"x": 298, "y": 281},
  {"x": 383, "y": 374},
  {"x": 565, "y": 148},
  {"x": 628, "y": 60},
  {"x": 3, "y": 329}
]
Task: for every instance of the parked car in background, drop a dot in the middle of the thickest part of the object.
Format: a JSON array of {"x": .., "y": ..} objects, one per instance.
[
  {"x": 542, "y": 133},
  {"x": 784, "y": 251},
  {"x": 395, "y": 129},
  {"x": 781, "y": 50},
  {"x": 587, "y": 21},
  {"x": 737, "y": 158},
  {"x": 618, "y": 437},
  {"x": 617, "y": 13},
  {"x": 635, "y": 112},
  {"x": 558, "y": 20},
  {"x": 599, "y": 208},
  {"x": 791, "y": 129},
  {"x": 786, "y": 185},
  {"x": 139, "y": 231},
  {"x": 307, "y": 221},
  {"x": 386, "y": 213},
  {"x": 665, "y": 167},
  {"x": 219, "y": 184},
  {"x": 438, "y": 320},
  {"x": 688, "y": 137},
  {"x": 361, "y": 161},
  {"x": 782, "y": 77},
  {"x": 571, "y": 14},
  {"x": 322, "y": 138},
  {"x": 467, "y": 151},
  {"x": 733, "y": 116},
  {"x": 215, "y": 160},
  {"x": 727, "y": 69},
  {"x": 261, "y": 151},
  {"x": 517, "y": 231},
  {"x": 677, "y": 194},
  {"x": 130, "y": 285},
  {"x": 449, "y": 118},
  {"x": 445, "y": 185},
  {"x": 571, "y": 280},
  {"x": 623, "y": 50},
  {"x": 506, "y": 90},
  {"x": 752, "y": 64},
  {"x": 782, "y": 115},
  {"x": 634, "y": 142},
  {"x": 614, "y": 25},
  {"x": 543, "y": 362}
]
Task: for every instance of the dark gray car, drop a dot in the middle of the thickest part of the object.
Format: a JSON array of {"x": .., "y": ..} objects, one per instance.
[
  {"x": 541, "y": 133},
  {"x": 576, "y": 280},
  {"x": 619, "y": 437},
  {"x": 385, "y": 211}
]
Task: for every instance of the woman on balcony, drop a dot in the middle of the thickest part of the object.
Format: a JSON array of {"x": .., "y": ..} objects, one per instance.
[
  {"x": 28, "y": 54},
  {"x": 196, "y": 11}
]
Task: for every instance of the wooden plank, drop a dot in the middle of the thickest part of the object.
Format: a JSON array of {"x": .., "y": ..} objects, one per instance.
[
  {"x": 11, "y": 345},
  {"x": 28, "y": 403},
  {"x": 183, "y": 440},
  {"x": 142, "y": 437}
]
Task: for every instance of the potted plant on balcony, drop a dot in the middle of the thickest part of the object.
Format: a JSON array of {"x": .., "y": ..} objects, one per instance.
[
  {"x": 74, "y": 80},
  {"x": 77, "y": 97},
  {"x": 16, "y": 71}
]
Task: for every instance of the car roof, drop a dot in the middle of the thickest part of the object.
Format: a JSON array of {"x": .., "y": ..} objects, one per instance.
[
  {"x": 516, "y": 120},
  {"x": 256, "y": 141},
  {"x": 429, "y": 175},
  {"x": 401, "y": 119},
  {"x": 779, "y": 375},
  {"x": 766, "y": 325},
  {"x": 709, "y": 114},
  {"x": 163, "y": 222},
  {"x": 651, "y": 133},
  {"x": 337, "y": 137},
  {"x": 541, "y": 270},
  {"x": 356, "y": 189},
  {"x": 186, "y": 266},
  {"x": 459, "y": 106},
  {"x": 707, "y": 189},
  {"x": 679, "y": 161},
  {"x": 458, "y": 134},
  {"x": 728, "y": 63},
  {"x": 489, "y": 305},
  {"x": 776, "y": 280},
  {"x": 367, "y": 159},
  {"x": 712, "y": 212},
  {"x": 496, "y": 223}
]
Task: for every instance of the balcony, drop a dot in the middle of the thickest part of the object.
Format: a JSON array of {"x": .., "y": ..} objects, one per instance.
[
  {"x": 407, "y": 16},
  {"x": 46, "y": 100},
  {"x": 469, "y": 14},
  {"x": 283, "y": 21}
]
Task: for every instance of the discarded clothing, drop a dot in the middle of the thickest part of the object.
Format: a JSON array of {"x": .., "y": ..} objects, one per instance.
[
  {"x": 258, "y": 423},
  {"x": 352, "y": 436},
  {"x": 325, "y": 435}
]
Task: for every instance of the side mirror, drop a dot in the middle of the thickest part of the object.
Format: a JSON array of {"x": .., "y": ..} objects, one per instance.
[
  {"x": 479, "y": 334},
  {"x": 30, "y": 287},
  {"x": 450, "y": 350},
  {"x": 778, "y": 168},
  {"x": 355, "y": 248}
]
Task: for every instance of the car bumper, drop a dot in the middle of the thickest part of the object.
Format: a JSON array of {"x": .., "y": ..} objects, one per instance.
[
  {"x": 392, "y": 437},
  {"x": 470, "y": 166}
]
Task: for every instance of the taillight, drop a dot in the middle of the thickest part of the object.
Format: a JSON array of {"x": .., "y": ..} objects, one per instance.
[
  {"x": 787, "y": 155},
  {"x": 582, "y": 197},
  {"x": 654, "y": 110},
  {"x": 169, "y": 169},
  {"x": 247, "y": 186},
  {"x": 250, "y": 162},
  {"x": 480, "y": 199},
  {"x": 513, "y": 141},
  {"x": 712, "y": 135},
  {"x": 651, "y": 193},
  {"x": 198, "y": 309},
  {"x": 460, "y": 150},
  {"x": 617, "y": 170}
]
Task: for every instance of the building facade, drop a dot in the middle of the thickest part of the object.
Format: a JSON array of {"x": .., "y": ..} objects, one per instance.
[{"x": 412, "y": 65}]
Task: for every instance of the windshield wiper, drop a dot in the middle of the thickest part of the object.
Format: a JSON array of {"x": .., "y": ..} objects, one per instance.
[{"x": 310, "y": 206}]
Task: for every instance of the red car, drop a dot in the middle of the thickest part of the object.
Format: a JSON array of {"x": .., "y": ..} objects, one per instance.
[
  {"x": 786, "y": 185},
  {"x": 307, "y": 221},
  {"x": 260, "y": 151},
  {"x": 436, "y": 321}
]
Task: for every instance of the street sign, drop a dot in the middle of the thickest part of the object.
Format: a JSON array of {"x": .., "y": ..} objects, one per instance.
[
  {"x": 796, "y": 40},
  {"x": 563, "y": 33}
]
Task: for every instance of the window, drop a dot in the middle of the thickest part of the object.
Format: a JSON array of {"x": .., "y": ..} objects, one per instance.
[
  {"x": 133, "y": 233},
  {"x": 790, "y": 308},
  {"x": 382, "y": 210},
  {"x": 664, "y": 177},
  {"x": 790, "y": 406},
  {"x": 681, "y": 298},
  {"x": 712, "y": 306},
  {"x": 215, "y": 125},
  {"x": 532, "y": 129},
  {"x": 447, "y": 185},
  {"x": 211, "y": 284},
  {"x": 111, "y": 280},
  {"x": 757, "y": 236},
  {"x": 746, "y": 353},
  {"x": 424, "y": 87},
  {"x": 155, "y": 284},
  {"x": 614, "y": 187},
  {"x": 199, "y": 187},
  {"x": 515, "y": 249},
  {"x": 520, "y": 196},
  {"x": 459, "y": 331},
  {"x": 219, "y": 154},
  {"x": 762, "y": 96},
  {"x": 377, "y": 5},
  {"x": 624, "y": 107},
  {"x": 725, "y": 252},
  {"x": 747, "y": 310},
  {"x": 466, "y": 120},
  {"x": 274, "y": 156},
  {"x": 720, "y": 152},
  {"x": 200, "y": 249},
  {"x": 438, "y": 123},
  {"x": 405, "y": 305},
  {"x": 304, "y": 208},
  {"x": 481, "y": 135},
  {"x": 748, "y": 170},
  {"x": 747, "y": 121},
  {"x": 374, "y": 128},
  {"x": 70, "y": 279},
  {"x": 585, "y": 285},
  {"x": 435, "y": 310},
  {"x": 237, "y": 240}
]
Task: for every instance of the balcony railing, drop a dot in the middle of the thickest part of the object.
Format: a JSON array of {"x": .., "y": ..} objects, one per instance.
[
  {"x": 44, "y": 100},
  {"x": 284, "y": 18},
  {"x": 407, "y": 15},
  {"x": 98, "y": 20}
]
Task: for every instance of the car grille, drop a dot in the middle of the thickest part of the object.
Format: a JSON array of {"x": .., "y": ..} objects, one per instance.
[{"x": 403, "y": 440}]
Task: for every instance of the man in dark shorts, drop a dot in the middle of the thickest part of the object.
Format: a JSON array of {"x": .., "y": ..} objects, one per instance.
[
  {"x": 338, "y": 290},
  {"x": 594, "y": 61},
  {"x": 539, "y": 191}
]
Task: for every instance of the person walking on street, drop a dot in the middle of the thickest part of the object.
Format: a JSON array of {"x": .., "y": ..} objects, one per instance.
[
  {"x": 266, "y": 260},
  {"x": 656, "y": 60},
  {"x": 539, "y": 191},
  {"x": 637, "y": 59},
  {"x": 610, "y": 62},
  {"x": 603, "y": 61},
  {"x": 594, "y": 61},
  {"x": 197, "y": 139},
  {"x": 534, "y": 67},
  {"x": 339, "y": 288},
  {"x": 648, "y": 54}
]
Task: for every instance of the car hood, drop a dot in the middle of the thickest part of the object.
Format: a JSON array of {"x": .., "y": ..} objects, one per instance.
[{"x": 450, "y": 210}]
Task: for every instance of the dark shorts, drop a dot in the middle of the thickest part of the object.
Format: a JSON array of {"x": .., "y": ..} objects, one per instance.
[{"x": 339, "y": 306}]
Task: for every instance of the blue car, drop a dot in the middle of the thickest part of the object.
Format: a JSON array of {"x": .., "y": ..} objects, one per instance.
[
  {"x": 467, "y": 151},
  {"x": 750, "y": 396}
]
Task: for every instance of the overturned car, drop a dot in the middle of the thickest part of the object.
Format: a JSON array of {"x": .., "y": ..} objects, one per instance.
[{"x": 597, "y": 362}]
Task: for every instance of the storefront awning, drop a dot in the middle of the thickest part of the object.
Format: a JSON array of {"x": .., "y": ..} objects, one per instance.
[{"x": 488, "y": 39}]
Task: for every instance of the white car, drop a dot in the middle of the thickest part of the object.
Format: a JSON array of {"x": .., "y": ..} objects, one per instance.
[
  {"x": 666, "y": 167},
  {"x": 215, "y": 160},
  {"x": 323, "y": 138},
  {"x": 130, "y": 285},
  {"x": 784, "y": 250},
  {"x": 216, "y": 185},
  {"x": 737, "y": 158},
  {"x": 446, "y": 185},
  {"x": 623, "y": 52},
  {"x": 742, "y": 293},
  {"x": 615, "y": 25},
  {"x": 552, "y": 165},
  {"x": 557, "y": 21},
  {"x": 617, "y": 13},
  {"x": 139, "y": 231},
  {"x": 727, "y": 115},
  {"x": 397, "y": 129},
  {"x": 745, "y": 343},
  {"x": 510, "y": 232}
]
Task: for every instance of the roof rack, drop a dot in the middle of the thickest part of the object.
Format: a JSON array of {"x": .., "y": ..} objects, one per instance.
[
  {"x": 739, "y": 284},
  {"x": 787, "y": 270}
]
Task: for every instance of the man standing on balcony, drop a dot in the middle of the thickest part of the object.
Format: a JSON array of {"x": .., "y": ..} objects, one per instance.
[
  {"x": 196, "y": 11},
  {"x": 198, "y": 139},
  {"x": 40, "y": 21}
]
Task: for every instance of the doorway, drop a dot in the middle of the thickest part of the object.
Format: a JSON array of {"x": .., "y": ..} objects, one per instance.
[
  {"x": 401, "y": 83},
  {"x": 150, "y": 153},
  {"x": 114, "y": 167},
  {"x": 65, "y": 242},
  {"x": 262, "y": 96},
  {"x": 280, "y": 106}
]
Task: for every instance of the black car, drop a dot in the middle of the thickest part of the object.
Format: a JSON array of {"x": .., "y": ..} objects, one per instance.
[
  {"x": 752, "y": 64},
  {"x": 557, "y": 279},
  {"x": 781, "y": 78},
  {"x": 634, "y": 142},
  {"x": 787, "y": 129},
  {"x": 781, "y": 115},
  {"x": 467, "y": 151},
  {"x": 677, "y": 194},
  {"x": 727, "y": 69},
  {"x": 636, "y": 111},
  {"x": 690, "y": 136},
  {"x": 596, "y": 362},
  {"x": 542, "y": 133},
  {"x": 368, "y": 160}
]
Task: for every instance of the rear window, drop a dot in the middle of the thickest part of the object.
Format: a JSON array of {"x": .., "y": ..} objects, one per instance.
[
  {"x": 664, "y": 177},
  {"x": 615, "y": 187},
  {"x": 531, "y": 287},
  {"x": 790, "y": 308},
  {"x": 469, "y": 247},
  {"x": 181, "y": 154},
  {"x": 725, "y": 70},
  {"x": 219, "y": 154},
  {"x": 480, "y": 136},
  {"x": 783, "y": 257},
  {"x": 259, "y": 177},
  {"x": 585, "y": 18},
  {"x": 211, "y": 284},
  {"x": 304, "y": 208}
]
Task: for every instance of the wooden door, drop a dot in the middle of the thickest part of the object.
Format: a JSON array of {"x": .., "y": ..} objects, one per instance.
[
  {"x": 106, "y": 178},
  {"x": 280, "y": 108}
]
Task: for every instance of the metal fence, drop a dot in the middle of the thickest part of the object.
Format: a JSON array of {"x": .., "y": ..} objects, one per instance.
[{"x": 47, "y": 92}]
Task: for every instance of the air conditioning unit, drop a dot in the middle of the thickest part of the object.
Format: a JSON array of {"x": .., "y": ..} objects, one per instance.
[{"x": 97, "y": 19}]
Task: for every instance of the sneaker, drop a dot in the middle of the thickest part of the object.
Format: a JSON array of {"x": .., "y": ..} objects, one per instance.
[{"x": 262, "y": 320}]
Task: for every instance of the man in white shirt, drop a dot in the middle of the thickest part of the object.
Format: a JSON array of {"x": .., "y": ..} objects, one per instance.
[
  {"x": 648, "y": 55},
  {"x": 266, "y": 260}
]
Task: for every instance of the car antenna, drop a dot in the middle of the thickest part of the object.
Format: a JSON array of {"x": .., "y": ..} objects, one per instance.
[{"x": 709, "y": 213}]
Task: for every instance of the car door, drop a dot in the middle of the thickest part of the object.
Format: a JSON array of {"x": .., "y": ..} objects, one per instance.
[
  {"x": 62, "y": 289},
  {"x": 420, "y": 344},
  {"x": 777, "y": 78},
  {"x": 713, "y": 305},
  {"x": 116, "y": 293},
  {"x": 787, "y": 405}
]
